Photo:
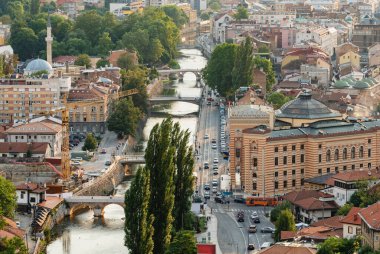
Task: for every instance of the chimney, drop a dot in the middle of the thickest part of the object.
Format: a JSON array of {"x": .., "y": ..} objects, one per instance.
[{"x": 67, "y": 66}]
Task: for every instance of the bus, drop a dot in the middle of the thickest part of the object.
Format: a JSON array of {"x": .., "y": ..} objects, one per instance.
[{"x": 257, "y": 201}]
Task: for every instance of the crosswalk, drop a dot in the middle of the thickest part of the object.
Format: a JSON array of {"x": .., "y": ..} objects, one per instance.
[{"x": 234, "y": 210}]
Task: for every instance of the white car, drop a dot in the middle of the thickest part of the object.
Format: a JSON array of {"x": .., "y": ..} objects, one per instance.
[
  {"x": 206, "y": 136},
  {"x": 216, "y": 160},
  {"x": 213, "y": 146}
]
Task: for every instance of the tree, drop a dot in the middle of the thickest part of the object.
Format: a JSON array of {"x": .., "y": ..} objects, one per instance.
[
  {"x": 263, "y": 49},
  {"x": 7, "y": 198},
  {"x": 137, "y": 78},
  {"x": 24, "y": 42},
  {"x": 102, "y": 63},
  {"x": 275, "y": 213},
  {"x": 126, "y": 61},
  {"x": 205, "y": 16},
  {"x": 243, "y": 66},
  {"x": 217, "y": 73},
  {"x": 268, "y": 69},
  {"x": 138, "y": 223},
  {"x": 159, "y": 158},
  {"x": 83, "y": 60},
  {"x": 285, "y": 222},
  {"x": 91, "y": 24},
  {"x": 104, "y": 44},
  {"x": 278, "y": 99},
  {"x": 363, "y": 196},
  {"x": 15, "y": 10},
  {"x": 12, "y": 246},
  {"x": 124, "y": 118},
  {"x": 334, "y": 245},
  {"x": 183, "y": 243},
  {"x": 176, "y": 14},
  {"x": 183, "y": 178},
  {"x": 345, "y": 209},
  {"x": 90, "y": 143},
  {"x": 242, "y": 13},
  {"x": 215, "y": 5},
  {"x": 34, "y": 7}
]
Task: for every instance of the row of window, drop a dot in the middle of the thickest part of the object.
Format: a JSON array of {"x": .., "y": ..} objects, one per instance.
[
  {"x": 328, "y": 170},
  {"x": 285, "y": 148},
  {"x": 284, "y": 184},
  {"x": 285, "y": 159},
  {"x": 344, "y": 154}
]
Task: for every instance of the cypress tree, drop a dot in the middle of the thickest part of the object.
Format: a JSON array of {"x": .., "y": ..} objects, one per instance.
[
  {"x": 138, "y": 222},
  {"x": 243, "y": 67},
  {"x": 183, "y": 177},
  {"x": 159, "y": 159}
]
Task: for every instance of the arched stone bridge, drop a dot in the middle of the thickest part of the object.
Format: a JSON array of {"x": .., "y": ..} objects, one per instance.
[
  {"x": 180, "y": 73},
  {"x": 165, "y": 99},
  {"x": 95, "y": 203}
]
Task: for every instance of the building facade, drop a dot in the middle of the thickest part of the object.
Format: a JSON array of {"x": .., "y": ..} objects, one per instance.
[
  {"x": 307, "y": 139},
  {"x": 370, "y": 226}
]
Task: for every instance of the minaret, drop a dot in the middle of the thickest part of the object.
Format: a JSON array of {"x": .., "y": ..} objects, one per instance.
[{"x": 49, "y": 41}]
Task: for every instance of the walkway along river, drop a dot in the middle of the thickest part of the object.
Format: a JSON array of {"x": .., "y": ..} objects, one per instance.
[{"x": 86, "y": 234}]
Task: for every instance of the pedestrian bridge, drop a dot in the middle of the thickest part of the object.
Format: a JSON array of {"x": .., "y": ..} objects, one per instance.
[
  {"x": 95, "y": 203},
  {"x": 164, "y": 99}
]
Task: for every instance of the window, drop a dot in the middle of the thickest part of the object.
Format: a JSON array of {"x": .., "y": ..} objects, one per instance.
[
  {"x": 22, "y": 194},
  {"x": 302, "y": 181},
  {"x": 361, "y": 166},
  {"x": 293, "y": 147},
  {"x": 344, "y": 168},
  {"x": 293, "y": 159},
  {"x": 320, "y": 158},
  {"x": 237, "y": 152},
  {"x": 328, "y": 155},
  {"x": 255, "y": 162},
  {"x": 369, "y": 165},
  {"x": 350, "y": 230},
  {"x": 344, "y": 154},
  {"x": 33, "y": 199},
  {"x": 320, "y": 171},
  {"x": 285, "y": 148},
  {"x": 336, "y": 154},
  {"x": 276, "y": 149},
  {"x": 369, "y": 152},
  {"x": 302, "y": 158},
  {"x": 327, "y": 170},
  {"x": 275, "y": 174},
  {"x": 294, "y": 183},
  {"x": 353, "y": 167},
  {"x": 369, "y": 141},
  {"x": 302, "y": 170},
  {"x": 254, "y": 186},
  {"x": 336, "y": 169},
  {"x": 293, "y": 172},
  {"x": 276, "y": 161},
  {"x": 254, "y": 175},
  {"x": 302, "y": 147},
  {"x": 361, "y": 151},
  {"x": 320, "y": 146},
  {"x": 353, "y": 153},
  {"x": 285, "y": 184},
  {"x": 285, "y": 160},
  {"x": 276, "y": 185},
  {"x": 285, "y": 173}
]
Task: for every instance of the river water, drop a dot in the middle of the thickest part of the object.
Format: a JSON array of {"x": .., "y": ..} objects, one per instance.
[{"x": 86, "y": 234}]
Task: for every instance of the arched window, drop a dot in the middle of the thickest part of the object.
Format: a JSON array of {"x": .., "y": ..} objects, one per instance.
[
  {"x": 361, "y": 152},
  {"x": 344, "y": 153},
  {"x": 336, "y": 154},
  {"x": 353, "y": 153},
  {"x": 328, "y": 155}
]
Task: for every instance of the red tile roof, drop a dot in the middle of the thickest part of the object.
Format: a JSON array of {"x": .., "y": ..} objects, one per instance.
[
  {"x": 353, "y": 176},
  {"x": 316, "y": 204},
  {"x": 371, "y": 216},
  {"x": 64, "y": 59},
  {"x": 51, "y": 202},
  {"x": 283, "y": 249},
  {"x": 17, "y": 147},
  {"x": 316, "y": 233},
  {"x": 332, "y": 222},
  {"x": 299, "y": 195},
  {"x": 31, "y": 186},
  {"x": 352, "y": 217},
  {"x": 83, "y": 94},
  {"x": 35, "y": 128},
  {"x": 11, "y": 230}
]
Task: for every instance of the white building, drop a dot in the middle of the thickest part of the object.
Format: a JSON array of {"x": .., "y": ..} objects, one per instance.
[
  {"x": 29, "y": 195},
  {"x": 343, "y": 184},
  {"x": 24, "y": 150},
  {"x": 323, "y": 5},
  {"x": 315, "y": 74},
  {"x": 219, "y": 26},
  {"x": 273, "y": 17},
  {"x": 325, "y": 38},
  {"x": 352, "y": 223},
  {"x": 40, "y": 132}
]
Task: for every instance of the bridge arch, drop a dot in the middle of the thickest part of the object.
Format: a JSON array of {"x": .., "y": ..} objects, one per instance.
[
  {"x": 94, "y": 203},
  {"x": 74, "y": 209}
]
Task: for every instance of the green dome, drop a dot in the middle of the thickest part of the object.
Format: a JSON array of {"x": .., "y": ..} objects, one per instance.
[
  {"x": 361, "y": 85},
  {"x": 349, "y": 81},
  {"x": 341, "y": 84},
  {"x": 368, "y": 81}
]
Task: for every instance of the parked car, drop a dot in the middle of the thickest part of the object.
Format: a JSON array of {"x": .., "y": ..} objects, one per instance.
[
  {"x": 220, "y": 200},
  {"x": 252, "y": 229},
  {"x": 214, "y": 190},
  {"x": 267, "y": 230},
  {"x": 265, "y": 245},
  {"x": 104, "y": 151},
  {"x": 207, "y": 186},
  {"x": 108, "y": 163},
  {"x": 213, "y": 146},
  {"x": 251, "y": 246},
  {"x": 197, "y": 199},
  {"x": 256, "y": 220},
  {"x": 206, "y": 136},
  {"x": 216, "y": 160},
  {"x": 207, "y": 195},
  {"x": 213, "y": 141},
  {"x": 214, "y": 182}
]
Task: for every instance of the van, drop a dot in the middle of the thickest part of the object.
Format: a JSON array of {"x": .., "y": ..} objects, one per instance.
[{"x": 206, "y": 165}]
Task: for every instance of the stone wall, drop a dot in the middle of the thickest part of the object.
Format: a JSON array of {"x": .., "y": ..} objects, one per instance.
[
  {"x": 104, "y": 184},
  {"x": 19, "y": 173}
]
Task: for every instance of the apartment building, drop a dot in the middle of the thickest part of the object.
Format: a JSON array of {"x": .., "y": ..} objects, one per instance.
[
  {"x": 326, "y": 38},
  {"x": 370, "y": 227},
  {"x": 273, "y": 17},
  {"x": 272, "y": 154},
  {"x": 219, "y": 25},
  {"x": 365, "y": 35},
  {"x": 71, "y": 7}
]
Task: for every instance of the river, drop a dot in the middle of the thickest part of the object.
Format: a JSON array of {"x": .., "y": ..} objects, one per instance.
[{"x": 86, "y": 234}]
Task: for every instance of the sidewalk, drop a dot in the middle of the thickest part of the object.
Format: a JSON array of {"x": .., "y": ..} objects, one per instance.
[{"x": 211, "y": 232}]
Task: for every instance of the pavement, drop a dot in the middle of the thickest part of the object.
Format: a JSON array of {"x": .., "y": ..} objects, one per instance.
[
  {"x": 25, "y": 224},
  {"x": 211, "y": 234}
]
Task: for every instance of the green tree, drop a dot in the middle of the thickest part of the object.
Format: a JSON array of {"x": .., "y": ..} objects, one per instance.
[
  {"x": 242, "y": 73},
  {"x": 363, "y": 196},
  {"x": 278, "y": 99},
  {"x": 83, "y": 60},
  {"x": 275, "y": 213},
  {"x": 15, "y": 9},
  {"x": 268, "y": 69},
  {"x": 137, "y": 78},
  {"x": 215, "y": 6},
  {"x": 263, "y": 49},
  {"x": 345, "y": 209},
  {"x": 138, "y": 222},
  {"x": 104, "y": 44},
  {"x": 335, "y": 245},
  {"x": 12, "y": 246},
  {"x": 217, "y": 73},
  {"x": 241, "y": 13},
  {"x": 183, "y": 178},
  {"x": 176, "y": 14},
  {"x": 159, "y": 158},
  {"x": 90, "y": 143},
  {"x": 34, "y": 7},
  {"x": 126, "y": 61},
  {"x": 285, "y": 222},
  {"x": 183, "y": 243},
  {"x": 91, "y": 24},
  {"x": 124, "y": 118},
  {"x": 7, "y": 198},
  {"x": 102, "y": 63},
  {"x": 24, "y": 42},
  {"x": 205, "y": 16}
]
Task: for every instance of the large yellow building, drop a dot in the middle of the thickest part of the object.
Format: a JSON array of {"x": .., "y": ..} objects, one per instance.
[{"x": 272, "y": 153}]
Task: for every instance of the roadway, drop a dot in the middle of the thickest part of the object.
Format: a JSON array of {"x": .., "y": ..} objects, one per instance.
[{"x": 233, "y": 236}]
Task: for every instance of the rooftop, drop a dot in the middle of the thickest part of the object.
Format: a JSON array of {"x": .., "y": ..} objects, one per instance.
[
  {"x": 353, "y": 176},
  {"x": 35, "y": 128},
  {"x": 287, "y": 249},
  {"x": 249, "y": 111},
  {"x": 332, "y": 222},
  {"x": 18, "y": 147},
  {"x": 371, "y": 216},
  {"x": 33, "y": 187},
  {"x": 352, "y": 217}
]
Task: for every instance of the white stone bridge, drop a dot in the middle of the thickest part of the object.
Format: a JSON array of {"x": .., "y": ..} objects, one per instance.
[
  {"x": 95, "y": 203},
  {"x": 180, "y": 73},
  {"x": 164, "y": 99},
  {"x": 135, "y": 158}
]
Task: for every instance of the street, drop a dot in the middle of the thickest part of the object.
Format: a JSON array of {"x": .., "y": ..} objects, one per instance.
[{"x": 233, "y": 236}]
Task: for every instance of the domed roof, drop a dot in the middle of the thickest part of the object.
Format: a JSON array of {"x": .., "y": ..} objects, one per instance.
[
  {"x": 368, "y": 81},
  {"x": 304, "y": 107},
  {"x": 341, "y": 84},
  {"x": 361, "y": 85},
  {"x": 38, "y": 65}
]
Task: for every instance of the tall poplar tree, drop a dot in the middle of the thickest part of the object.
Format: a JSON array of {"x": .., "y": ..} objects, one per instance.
[
  {"x": 159, "y": 158},
  {"x": 138, "y": 222},
  {"x": 243, "y": 67},
  {"x": 183, "y": 177}
]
